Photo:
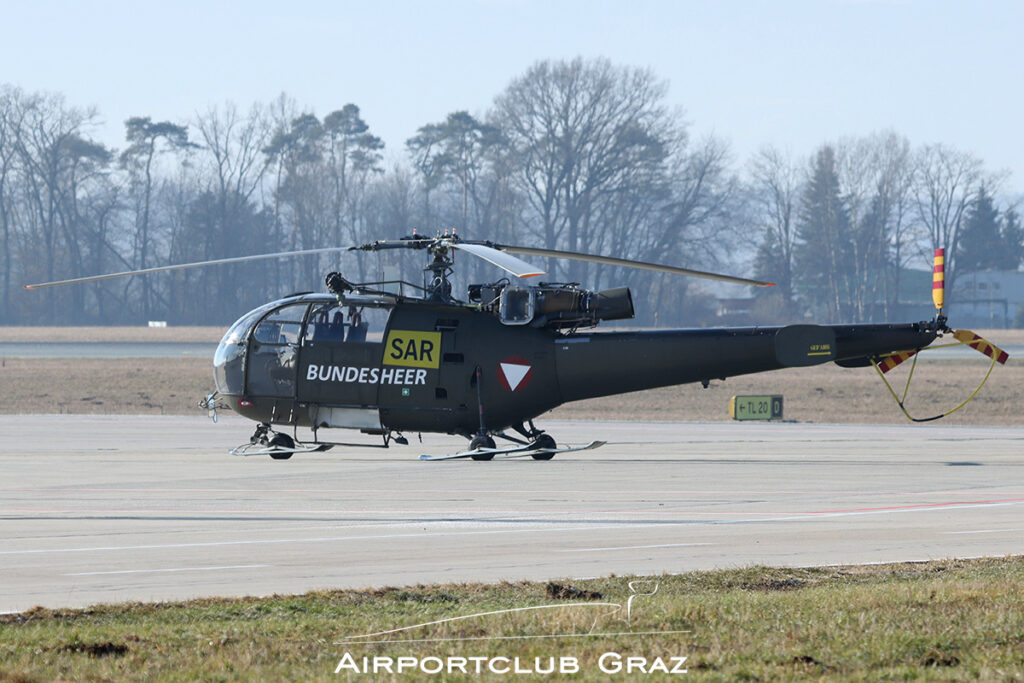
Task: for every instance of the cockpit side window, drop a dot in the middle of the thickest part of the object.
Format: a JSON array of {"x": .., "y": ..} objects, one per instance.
[
  {"x": 236, "y": 334},
  {"x": 326, "y": 323},
  {"x": 336, "y": 323},
  {"x": 281, "y": 326}
]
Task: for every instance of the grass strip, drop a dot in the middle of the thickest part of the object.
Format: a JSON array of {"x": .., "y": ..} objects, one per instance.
[{"x": 941, "y": 620}]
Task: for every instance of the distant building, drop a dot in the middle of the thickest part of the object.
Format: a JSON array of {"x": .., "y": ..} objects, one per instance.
[
  {"x": 991, "y": 298},
  {"x": 987, "y": 299},
  {"x": 734, "y": 311}
]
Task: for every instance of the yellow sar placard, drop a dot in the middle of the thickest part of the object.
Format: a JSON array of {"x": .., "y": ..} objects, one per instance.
[{"x": 413, "y": 348}]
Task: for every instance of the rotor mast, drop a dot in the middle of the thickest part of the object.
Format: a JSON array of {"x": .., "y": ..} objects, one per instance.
[{"x": 439, "y": 288}]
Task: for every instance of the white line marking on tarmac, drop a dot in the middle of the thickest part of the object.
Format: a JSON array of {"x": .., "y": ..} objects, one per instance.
[
  {"x": 176, "y": 492},
  {"x": 805, "y": 517},
  {"x": 633, "y": 547},
  {"x": 294, "y": 540},
  {"x": 889, "y": 511},
  {"x": 176, "y": 569},
  {"x": 983, "y": 531}
]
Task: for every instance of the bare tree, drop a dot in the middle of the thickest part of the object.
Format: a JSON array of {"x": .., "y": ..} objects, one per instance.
[
  {"x": 11, "y": 112},
  {"x": 234, "y": 145},
  {"x": 578, "y": 130},
  {"x": 700, "y": 191},
  {"x": 773, "y": 193},
  {"x": 145, "y": 137},
  {"x": 233, "y": 166},
  {"x": 946, "y": 181},
  {"x": 49, "y": 147},
  {"x": 104, "y": 209},
  {"x": 874, "y": 174}
]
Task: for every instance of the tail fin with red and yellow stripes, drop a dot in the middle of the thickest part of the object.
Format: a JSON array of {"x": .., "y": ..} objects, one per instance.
[{"x": 939, "y": 279}]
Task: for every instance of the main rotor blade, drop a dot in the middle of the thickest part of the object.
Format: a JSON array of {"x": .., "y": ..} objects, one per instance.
[
  {"x": 642, "y": 265},
  {"x": 517, "y": 267},
  {"x": 183, "y": 266}
]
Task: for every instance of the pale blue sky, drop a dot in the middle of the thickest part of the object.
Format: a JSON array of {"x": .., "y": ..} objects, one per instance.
[{"x": 793, "y": 74}]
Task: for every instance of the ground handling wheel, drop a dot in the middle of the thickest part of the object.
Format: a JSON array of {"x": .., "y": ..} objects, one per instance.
[
  {"x": 281, "y": 441},
  {"x": 482, "y": 441},
  {"x": 544, "y": 441}
]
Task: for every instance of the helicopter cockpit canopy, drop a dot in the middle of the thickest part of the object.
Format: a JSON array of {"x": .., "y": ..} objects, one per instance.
[{"x": 258, "y": 355}]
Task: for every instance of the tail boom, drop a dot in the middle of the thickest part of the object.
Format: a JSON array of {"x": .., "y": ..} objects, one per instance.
[{"x": 632, "y": 361}]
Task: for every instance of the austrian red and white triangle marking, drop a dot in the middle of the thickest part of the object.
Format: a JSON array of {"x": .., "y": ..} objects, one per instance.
[{"x": 515, "y": 373}]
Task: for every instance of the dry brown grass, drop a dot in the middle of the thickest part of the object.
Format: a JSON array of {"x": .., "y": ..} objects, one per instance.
[
  {"x": 210, "y": 335},
  {"x": 104, "y": 385}
]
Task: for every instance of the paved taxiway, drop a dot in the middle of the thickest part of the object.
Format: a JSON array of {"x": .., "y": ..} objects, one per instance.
[{"x": 103, "y": 509}]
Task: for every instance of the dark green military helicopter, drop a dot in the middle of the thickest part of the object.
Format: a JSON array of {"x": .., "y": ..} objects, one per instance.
[{"x": 489, "y": 364}]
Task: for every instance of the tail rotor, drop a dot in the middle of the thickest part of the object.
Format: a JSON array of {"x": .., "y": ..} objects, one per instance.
[
  {"x": 889, "y": 361},
  {"x": 965, "y": 337}
]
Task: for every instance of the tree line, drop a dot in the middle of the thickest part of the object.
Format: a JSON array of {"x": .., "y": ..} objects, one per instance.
[{"x": 580, "y": 155}]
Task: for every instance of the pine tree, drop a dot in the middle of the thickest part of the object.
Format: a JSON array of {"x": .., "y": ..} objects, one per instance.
[
  {"x": 981, "y": 244},
  {"x": 822, "y": 257},
  {"x": 1012, "y": 235}
]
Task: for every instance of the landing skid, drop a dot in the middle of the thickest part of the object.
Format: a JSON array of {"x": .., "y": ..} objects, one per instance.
[
  {"x": 515, "y": 452},
  {"x": 278, "y": 445},
  {"x": 277, "y": 452}
]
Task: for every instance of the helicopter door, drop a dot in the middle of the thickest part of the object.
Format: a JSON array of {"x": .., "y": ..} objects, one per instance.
[
  {"x": 337, "y": 376},
  {"x": 273, "y": 353}
]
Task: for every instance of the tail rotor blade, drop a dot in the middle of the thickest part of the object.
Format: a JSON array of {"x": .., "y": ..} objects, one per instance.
[
  {"x": 894, "y": 359},
  {"x": 984, "y": 346}
]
